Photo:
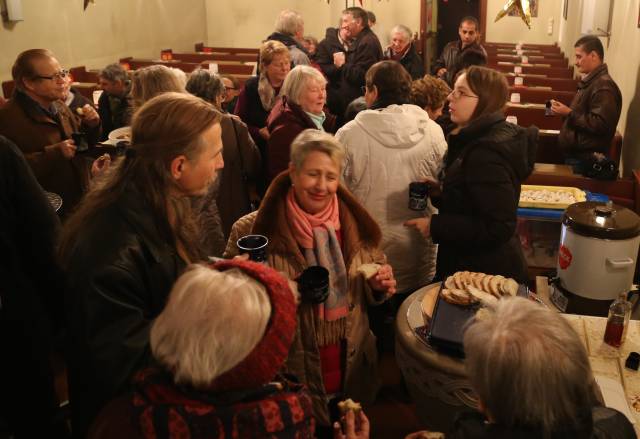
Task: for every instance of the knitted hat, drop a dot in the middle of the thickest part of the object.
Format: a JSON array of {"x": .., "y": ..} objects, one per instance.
[{"x": 262, "y": 364}]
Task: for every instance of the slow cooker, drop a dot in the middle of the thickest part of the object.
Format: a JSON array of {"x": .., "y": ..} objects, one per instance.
[{"x": 597, "y": 255}]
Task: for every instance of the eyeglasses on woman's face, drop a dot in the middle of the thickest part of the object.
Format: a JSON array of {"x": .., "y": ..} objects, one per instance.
[
  {"x": 457, "y": 94},
  {"x": 57, "y": 76}
]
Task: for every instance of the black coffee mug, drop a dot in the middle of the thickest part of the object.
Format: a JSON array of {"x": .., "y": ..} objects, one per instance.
[
  {"x": 313, "y": 284},
  {"x": 80, "y": 139},
  {"x": 418, "y": 195},
  {"x": 255, "y": 246}
]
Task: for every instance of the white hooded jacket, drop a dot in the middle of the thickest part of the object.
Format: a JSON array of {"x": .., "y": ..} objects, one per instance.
[{"x": 387, "y": 149}]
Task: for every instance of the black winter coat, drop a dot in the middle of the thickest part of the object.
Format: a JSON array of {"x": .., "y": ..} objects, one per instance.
[
  {"x": 31, "y": 298},
  {"x": 476, "y": 225},
  {"x": 115, "y": 112},
  {"x": 411, "y": 61},
  {"x": 120, "y": 273},
  {"x": 364, "y": 52},
  {"x": 324, "y": 58}
]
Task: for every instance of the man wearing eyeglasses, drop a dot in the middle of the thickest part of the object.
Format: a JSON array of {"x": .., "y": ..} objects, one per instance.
[{"x": 41, "y": 125}]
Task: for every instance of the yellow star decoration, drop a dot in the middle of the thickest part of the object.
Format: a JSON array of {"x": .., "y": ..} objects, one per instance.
[{"x": 522, "y": 7}]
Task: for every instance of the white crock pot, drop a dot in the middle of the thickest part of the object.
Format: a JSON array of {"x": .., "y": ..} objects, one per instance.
[{"x": 598, "y": 249}]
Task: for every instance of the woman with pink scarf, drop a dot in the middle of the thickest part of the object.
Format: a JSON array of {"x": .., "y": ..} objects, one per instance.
[{"x": 310, "y": 219}]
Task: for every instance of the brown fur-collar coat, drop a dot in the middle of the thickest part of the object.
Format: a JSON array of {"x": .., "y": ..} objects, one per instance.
[
  {"x": 34, "y": 132},
  {"x": 361, "y": 237}
]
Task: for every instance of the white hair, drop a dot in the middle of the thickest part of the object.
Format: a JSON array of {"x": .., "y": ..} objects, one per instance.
[
  {"x": 529, "y": 367},
  {"x": 402, "y": 29},
  {"x": 289, "y": 22},
  {"x": 180, "y": 75},
  {"x": 298, "y": 79},
  {"x": 212, "y": 321}
]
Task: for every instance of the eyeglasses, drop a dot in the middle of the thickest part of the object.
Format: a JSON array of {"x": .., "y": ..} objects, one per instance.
[
  {"x": 62, "y": 74},
  {"x": 363, "y": 89},
  {"x": 457, "y": 94}
]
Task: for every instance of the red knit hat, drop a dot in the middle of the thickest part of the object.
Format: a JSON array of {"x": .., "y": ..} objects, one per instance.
[{"x": 266, "y": 359}]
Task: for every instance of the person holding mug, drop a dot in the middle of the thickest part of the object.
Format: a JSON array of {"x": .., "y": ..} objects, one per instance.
[
  {"x": 479, "y": 188},
  {"x": 311, "y": 219}
]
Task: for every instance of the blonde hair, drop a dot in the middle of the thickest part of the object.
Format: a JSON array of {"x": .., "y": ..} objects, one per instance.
[
  {"x": 298, "y": 79},
  {"x": 269, "y": 50},
  {"x": 529, "y": 367},
  {"x": 149, "y": 82},
  {"x": 164, "y": 128},
  {"x": 311, "y": 140},
  {"x": 212, "y": 321}
]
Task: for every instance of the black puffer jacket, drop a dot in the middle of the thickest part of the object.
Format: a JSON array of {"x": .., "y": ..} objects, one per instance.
[
  {"x": 476, "y": 225},
  {"x": 120, "y": 272},
  {"x": 595, "y": 111}
]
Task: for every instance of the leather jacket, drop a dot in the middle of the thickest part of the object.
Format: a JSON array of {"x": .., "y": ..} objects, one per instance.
[
  {"x": 450, "y": 58},
  {"x": 120, "y": 273},
  {"x": 595, "y": 111}
]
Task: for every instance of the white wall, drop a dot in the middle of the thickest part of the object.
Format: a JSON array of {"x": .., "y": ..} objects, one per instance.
[
  {"x": 106, "y": 31},
  {"x": 246, "y": 23},
  {"x": 512, "y": 29}
]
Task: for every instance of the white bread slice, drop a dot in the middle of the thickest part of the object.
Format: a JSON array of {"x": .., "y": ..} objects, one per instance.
[
  {"x": 484, "y": 298},
  {"x": 369, "y": 270}
]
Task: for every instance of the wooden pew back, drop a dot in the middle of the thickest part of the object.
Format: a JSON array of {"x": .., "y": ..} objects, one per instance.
[
  {"x": 200, "y": 47},
  {"x": 558, "y": 84}
]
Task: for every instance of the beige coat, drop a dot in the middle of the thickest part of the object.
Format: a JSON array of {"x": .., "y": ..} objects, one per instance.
[{"x": 360, "y": 240}]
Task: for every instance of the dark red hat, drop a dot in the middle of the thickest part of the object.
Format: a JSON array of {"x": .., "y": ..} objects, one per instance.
[{"x": 266, "y": 359}]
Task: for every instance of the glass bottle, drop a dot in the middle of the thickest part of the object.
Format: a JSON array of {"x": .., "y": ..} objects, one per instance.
[{"x": 618, "y": 321}]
